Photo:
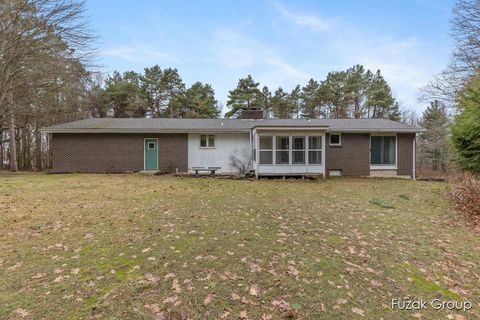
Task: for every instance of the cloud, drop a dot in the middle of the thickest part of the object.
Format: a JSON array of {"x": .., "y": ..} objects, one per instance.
[
  {"x": 303, "y": 20},
  {"x": 245, "y": 54}
]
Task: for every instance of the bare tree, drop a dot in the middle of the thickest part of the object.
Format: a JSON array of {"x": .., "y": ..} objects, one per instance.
[
  {"x": 465, "y": 62},
  {"x": 35, "y": 33}
]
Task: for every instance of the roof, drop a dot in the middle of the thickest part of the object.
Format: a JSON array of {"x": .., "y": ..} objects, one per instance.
[{"x": 142, "y": 125}]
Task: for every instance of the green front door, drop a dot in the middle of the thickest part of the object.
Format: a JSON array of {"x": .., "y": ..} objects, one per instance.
[{"x": 151, "y": 154}]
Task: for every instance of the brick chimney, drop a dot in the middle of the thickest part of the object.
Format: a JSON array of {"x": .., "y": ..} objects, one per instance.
[{"x": 252, "y": 114}]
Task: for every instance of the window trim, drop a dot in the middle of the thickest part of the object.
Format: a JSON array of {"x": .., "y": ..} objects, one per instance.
[
  {"x": 207, "y": 135},
  {"x": 297, "y": 150},
  {"x": 308, "y": 149},
  {"x": 339, "y": 144},
  {"x": 269, "y": 150},
  {"x": 290, "y": 135},
  {"x": 289, "y": 150},
  {"x": 383, "y": 166}
]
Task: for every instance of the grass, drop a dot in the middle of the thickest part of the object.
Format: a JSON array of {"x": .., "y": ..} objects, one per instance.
[{"x": 143, "y": 247}]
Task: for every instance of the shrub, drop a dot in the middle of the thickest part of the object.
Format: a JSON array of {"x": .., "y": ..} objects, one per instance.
[
  {"x": 466, "y": 196},
  {"x": 241, "y": 160}
]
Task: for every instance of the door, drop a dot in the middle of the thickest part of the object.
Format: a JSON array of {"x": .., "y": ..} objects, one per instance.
[{"x": 151, "y": 154}]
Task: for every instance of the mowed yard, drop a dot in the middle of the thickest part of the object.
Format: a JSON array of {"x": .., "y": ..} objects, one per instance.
[{"x": 158, "y": 247}]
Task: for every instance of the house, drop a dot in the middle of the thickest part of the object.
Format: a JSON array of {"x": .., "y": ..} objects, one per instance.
[{"x": 327, "y": 147}]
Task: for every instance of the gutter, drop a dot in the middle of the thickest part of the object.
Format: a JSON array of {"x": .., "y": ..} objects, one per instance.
[{"x": 93, "y": 130}]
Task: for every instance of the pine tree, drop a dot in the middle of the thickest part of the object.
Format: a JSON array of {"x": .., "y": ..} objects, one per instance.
[
  {"x": 245, "y": 96},
  {"x": 333, "y": 94},
  {"x": 282, "y": 104},
  {"x": 465, "y": 129},
  {"x": 162, "y": 86},
  {"x": 266, "y": 102},
  {"x": 356, "y": 86},
  {"x": 310, "y": 100},
  {"x": 380, "y": 102},
  {"x": 294, "y": 98},
  {"x": 198, "y": 101},
  {"x": 125, "y": 96}
]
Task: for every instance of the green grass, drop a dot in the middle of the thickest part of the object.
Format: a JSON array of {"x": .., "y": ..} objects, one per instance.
[{"x": 132, "y": 246}]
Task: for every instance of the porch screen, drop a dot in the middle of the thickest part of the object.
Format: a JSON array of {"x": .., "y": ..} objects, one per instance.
[
  {"x": 315, "y": 150},
  {"x": 298, "y": 150},
  {"x": 282, "y": 148},
  {"x": 266, "y": 150}
]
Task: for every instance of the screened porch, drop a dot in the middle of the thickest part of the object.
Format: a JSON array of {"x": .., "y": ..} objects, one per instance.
[{"x": 289, "y": 152}]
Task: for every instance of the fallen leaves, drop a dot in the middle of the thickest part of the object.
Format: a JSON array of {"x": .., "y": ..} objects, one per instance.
[
  {"x": 281, "y": 305},
  {"x": 208, "y": 299},
  {"x": 358, "y": 311},
  {"x": 22, "y": 312},
  {"x": 253, "y": 290}
]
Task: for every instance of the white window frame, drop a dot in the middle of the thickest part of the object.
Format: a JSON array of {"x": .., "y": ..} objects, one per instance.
[
  {"x": 383, "y": 166},
  {"x": 295, "y": 150},
  {"x": 207, "y": 135},
  {"x": 339, "y": 139},
  {"x": 308, "y": 150},
  {"x": 290, "y": 136},
  {"x": 272, "y": 150},
  {"x": 289, "y": 150}
]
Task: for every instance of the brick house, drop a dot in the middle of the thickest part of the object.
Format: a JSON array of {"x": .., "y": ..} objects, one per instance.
[{"x": 327, "y": 147}]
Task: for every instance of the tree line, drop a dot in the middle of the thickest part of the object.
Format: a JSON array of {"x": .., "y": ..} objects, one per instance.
[
  {"x": 354, "y": 93},
  {"x": 453, "y": 125},
  {"x": 154, "y": 93}
]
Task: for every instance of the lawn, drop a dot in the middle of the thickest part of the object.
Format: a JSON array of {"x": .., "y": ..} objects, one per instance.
[{"x": 158, "y": 247}]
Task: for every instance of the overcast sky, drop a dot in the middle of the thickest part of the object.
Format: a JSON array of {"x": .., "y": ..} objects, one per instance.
[{"x": 280, "y": 43}]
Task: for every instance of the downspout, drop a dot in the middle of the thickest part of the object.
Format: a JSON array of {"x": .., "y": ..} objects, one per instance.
[
  {"x": 251, "y": 149},
  {"x": 323, "y": 154},
  {"x": 414, "y": 157}
]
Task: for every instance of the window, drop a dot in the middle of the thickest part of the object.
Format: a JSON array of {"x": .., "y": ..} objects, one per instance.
[
  {"x": 207, "y": 141},
  {"x": 298, "y": 150},
  {"x": 335, "y": 139},
  {"x": 266, "y": 149},
  {"x": 315, "y": 150},
  {"x": 151, "y": 145},
  {"x": 283, "y": 149},
  {"x": 383, "y": 150}
]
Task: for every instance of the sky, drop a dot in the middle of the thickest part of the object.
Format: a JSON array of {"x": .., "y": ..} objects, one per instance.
[{"x": 280, "y": 43}]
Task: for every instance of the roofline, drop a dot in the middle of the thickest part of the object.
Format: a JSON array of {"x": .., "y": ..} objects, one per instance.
[
  {"x": 146, "y": 130},
  {"x": 228, "y": 130},
  {"x": 399, "y": 130},
  {"x": 290, "y": 127}
]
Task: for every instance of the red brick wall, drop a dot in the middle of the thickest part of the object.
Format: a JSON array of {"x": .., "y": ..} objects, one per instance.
[
  {"x": 352, "y": 157},
  {"x": 115, "y": 152}
]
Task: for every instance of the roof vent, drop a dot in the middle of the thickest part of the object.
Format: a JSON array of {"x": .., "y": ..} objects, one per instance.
[
  {"x": 221, "y": 124},
  {"x": 308, "y": 121}
]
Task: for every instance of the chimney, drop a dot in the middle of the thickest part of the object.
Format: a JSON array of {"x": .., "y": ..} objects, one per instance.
[{"x": 252, "y": 113}]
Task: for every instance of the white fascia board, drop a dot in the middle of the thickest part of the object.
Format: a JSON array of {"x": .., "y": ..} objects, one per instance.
[
  {"x": 405, "y": 130},
  {"x": 305, "y": 128}
]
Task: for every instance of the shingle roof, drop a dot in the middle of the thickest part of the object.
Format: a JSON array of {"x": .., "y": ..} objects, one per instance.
[{"x": 232, "y": 125}]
